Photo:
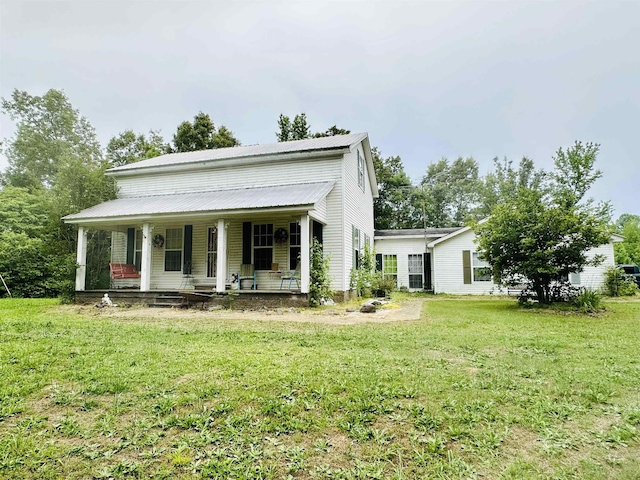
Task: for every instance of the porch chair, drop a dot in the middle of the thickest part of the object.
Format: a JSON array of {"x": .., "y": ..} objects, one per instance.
[
  {"x": 247, "y": 272},
  {"x": 293, "y": 276}
]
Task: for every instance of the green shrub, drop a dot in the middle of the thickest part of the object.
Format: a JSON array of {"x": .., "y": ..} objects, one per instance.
[
  {"x": 319, "y": 280},
  {"x": 588, "y": 300},
  {"x": 617, "y": 284}
]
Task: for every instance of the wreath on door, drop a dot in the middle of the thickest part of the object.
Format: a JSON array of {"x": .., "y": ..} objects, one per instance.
[
  {"x": 158, "y": 241},
  {"x": 281, "y": 236}
]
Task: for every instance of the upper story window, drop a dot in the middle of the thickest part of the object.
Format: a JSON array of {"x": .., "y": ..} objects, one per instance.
[{"x": 360, "y": 171}]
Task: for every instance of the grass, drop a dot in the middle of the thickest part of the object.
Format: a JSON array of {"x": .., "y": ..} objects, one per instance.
[{"x": 478, "y": 388}]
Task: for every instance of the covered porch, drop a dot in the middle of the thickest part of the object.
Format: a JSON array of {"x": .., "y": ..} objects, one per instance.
[{"x": 257, "y": 240}]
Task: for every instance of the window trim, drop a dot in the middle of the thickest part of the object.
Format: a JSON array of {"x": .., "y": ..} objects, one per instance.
[
  {"x": 475, "y": 258},
  {"x": 384, "y": 265},
  {"x": 167, "y": 249},
  {"x": 255, "y": 247},
  {"x": 137, "y": 254},
  {"x": 295, "y": 232},
  {"x": 209, "y": 252},
  {"x": 360, "y": 170},
  {"x": 421, "y": 270}
]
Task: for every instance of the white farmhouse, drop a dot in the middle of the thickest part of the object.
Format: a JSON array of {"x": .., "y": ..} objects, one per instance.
[{"x": 204, "y": 218}]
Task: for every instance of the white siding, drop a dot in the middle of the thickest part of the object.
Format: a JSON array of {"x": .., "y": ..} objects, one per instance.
[
  {"x": 328, "y": 211},
  {"x": 402, "y": 247},
  {"x": 448, "y": 274},
  {"x": 274, "y": 173},
  {"x": 358, "y": 209},
  {"x": 593, "y": 277},
  {"x": 447, "y": 267}
]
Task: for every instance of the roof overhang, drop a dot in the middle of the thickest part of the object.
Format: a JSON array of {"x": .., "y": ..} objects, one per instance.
[{"x": 226, "y": 202}]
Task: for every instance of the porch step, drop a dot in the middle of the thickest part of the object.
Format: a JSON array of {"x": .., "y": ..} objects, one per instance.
[{"x": 167, "y": 301}]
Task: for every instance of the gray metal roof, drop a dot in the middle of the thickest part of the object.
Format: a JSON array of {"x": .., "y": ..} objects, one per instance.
[
  {"x": 411, "y": 232},
  {"x": 311, "y": 144},
  {"x": 209, "y": 201}
]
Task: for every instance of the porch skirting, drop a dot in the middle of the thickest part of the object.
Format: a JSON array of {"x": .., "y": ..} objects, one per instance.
[{"x": 245, "y": 299}]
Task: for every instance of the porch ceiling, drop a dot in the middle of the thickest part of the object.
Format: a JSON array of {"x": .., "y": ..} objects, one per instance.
[{"x": 207, "y": 202}]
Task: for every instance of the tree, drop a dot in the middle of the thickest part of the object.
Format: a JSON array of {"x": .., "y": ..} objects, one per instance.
[
  {"x": 503, "y": 182},
  {"x": 299, "y": 129},
  {"x": 49, "y": 131},
  {"x": 202, "y": 135},
  {"x": 540, "y": 236},
  {"x": 449, "y": 192},
  {"x": 55, "y": 158},
  {"x": 128, "y": 147},
  {"x": 394, "y": 207},
  {"x": 628, "y": 251},
  {"x": 331, "y": 131}
]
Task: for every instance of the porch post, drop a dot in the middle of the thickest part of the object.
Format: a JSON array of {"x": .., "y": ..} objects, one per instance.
[
  {"x": 221, "y": 266},
  {"x": 304, "y": 254},
  {"x": 145, "y": 264},
  {"x": 81, "y": 260}
]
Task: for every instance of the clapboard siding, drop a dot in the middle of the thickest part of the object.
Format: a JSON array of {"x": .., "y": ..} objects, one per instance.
[
  {"x": 593, "y": 277},
  {"x": 402, "y": 248},
  {"x": 274, "y": 173},
  {"x": 447, "y": 266},
  {"x": 358, "y": 209},
  {"x": 448, "y": 273}
]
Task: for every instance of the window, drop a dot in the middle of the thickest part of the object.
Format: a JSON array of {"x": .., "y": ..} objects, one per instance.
[
  {"x": 294, "y": 245},
  {"x": 360, "y": 171},
  {"x": 481, "y": 269},
  {"x": 355, "y": 261},
  {"x": 173, "y": 250},
  {"x": 415, "y": 271},
  {"x": 212, "y": 251},
  {"x": 263, "y": 246},
  {"x": 137, "y": 250},
  {"x": 390, "y": 267}
]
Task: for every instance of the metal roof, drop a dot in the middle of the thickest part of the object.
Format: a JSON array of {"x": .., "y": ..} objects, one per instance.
[
  {"x": 415, "y": 232},
  {"x": 208, "y": 201},
  {"x": 311, "y": 144}
]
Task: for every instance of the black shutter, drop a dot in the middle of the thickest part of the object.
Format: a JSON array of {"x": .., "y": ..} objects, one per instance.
[
  {"x": 427, "y": 272},
  {"x": 188, "y": 241},
  {"x": 131, "y": 243},
  {"x": 246, "y": 243},
  {"x": 317, "y": 231},
  {"x": 379, "y": 262}
]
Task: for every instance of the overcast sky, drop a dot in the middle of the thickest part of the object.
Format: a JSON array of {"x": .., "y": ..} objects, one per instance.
[{"x": 426, "y": 80}]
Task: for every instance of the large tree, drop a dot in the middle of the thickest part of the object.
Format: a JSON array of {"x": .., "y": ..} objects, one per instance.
[
  {"x": 49, "y": 131},
  {"x": 503, "y": 182},
  {"x": 129, "y": 147},
  {"x": 56, "y": 165},
  {"x": 394, "y": 208},
  {"x": 201, "y": 134},
  {"x": 541, "y": 235},
  {"x": 448, "y": 192}
]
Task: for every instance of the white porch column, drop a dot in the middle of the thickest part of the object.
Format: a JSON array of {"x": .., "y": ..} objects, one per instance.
[
  {"x": 145, "y": 264},
  {"x": 221, "y": 266},
  {"x": 304, "y": 254},
  {"x": 81, "y": 260}
]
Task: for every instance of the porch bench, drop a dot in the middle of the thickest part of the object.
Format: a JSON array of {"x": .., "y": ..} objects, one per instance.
[{"x": 123, "y": 270}]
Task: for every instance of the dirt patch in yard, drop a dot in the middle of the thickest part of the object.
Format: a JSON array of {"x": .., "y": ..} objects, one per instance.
[{"x": 336, "y": 315}]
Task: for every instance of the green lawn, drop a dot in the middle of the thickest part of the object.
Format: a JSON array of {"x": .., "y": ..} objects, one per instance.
[{"x": 477, "y": 388}]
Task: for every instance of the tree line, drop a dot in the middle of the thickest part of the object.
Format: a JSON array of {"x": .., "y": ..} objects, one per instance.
[{"x": 56, "y": 167}]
